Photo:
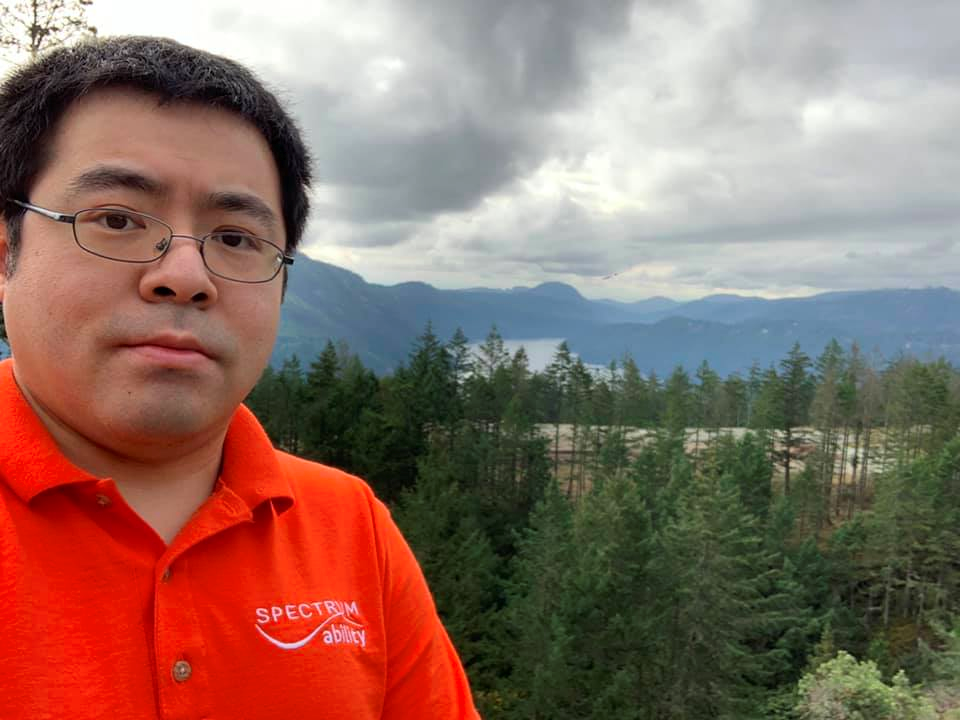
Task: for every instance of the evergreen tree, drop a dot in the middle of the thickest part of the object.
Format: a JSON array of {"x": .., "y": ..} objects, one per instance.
[
  {"x": 540, "y": 633},
  {"x": 583, "y": 639},
  {"x": 678, "y": 403},
  {"x": 635, "y": 406},
  {"x": 796, "y": 391},
  {"x": 558, "y": 385},
  {"x": 714, "y": 605},
  {"x": 290, "y": 400},
  {"x": 441, "y": 524},
  {"x": 461, "y": 360},
  {"x": 829, "y": 412},
  {"x": 735, "y": 409},
  {"x": 744, "y": 461},
  {"x": 706, "y": 404},
  {"x": 322, "y": 414}
]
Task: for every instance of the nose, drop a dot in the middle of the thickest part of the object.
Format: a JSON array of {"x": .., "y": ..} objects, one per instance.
[{"x": 179, "y": 276}]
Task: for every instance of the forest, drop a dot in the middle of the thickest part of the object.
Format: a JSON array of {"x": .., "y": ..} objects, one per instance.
[{"x": 782, "y": 543}]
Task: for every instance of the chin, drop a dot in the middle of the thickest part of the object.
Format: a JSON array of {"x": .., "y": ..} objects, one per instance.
[{"x": 160, "y": 423}]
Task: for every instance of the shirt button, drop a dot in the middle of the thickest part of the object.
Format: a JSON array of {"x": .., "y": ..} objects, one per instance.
[
  {"x": 182, "y": 671},
  {"x": 165, "y": 576},
  {"x": 104, "y": 500}
]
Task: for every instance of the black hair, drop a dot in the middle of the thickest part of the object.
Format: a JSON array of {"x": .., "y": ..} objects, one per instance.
[{"x": 35, "y": 97}]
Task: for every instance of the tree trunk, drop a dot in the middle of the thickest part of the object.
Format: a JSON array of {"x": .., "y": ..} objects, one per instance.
[
  {"x": 788, "y": 444},
  {"x": 855, "y": 463},
  {"x": 556, "y": 451},
  {"x": 887, "y": 593},
  {"x": 843, "y": 465},
  {"x": 862, "y": 487}
]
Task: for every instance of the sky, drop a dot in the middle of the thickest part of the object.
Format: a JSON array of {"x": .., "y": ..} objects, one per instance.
[{"x": 630, "y": 149}]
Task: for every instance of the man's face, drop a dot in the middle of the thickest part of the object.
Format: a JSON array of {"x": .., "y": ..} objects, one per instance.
[{"x": 110, "y": 349}]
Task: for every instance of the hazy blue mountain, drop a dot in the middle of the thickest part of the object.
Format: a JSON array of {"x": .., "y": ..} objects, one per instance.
[
  {"x": 717, "y": 308},
  {"x": 646, "y": 307},
  {"x": 379, "y": 322}
]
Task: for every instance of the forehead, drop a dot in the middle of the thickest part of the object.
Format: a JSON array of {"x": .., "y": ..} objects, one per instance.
[{"x": 186, "y": 147}]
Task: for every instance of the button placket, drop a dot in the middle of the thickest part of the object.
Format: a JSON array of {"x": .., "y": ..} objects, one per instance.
[
  {"x": 179, "y": 646},
  {"x": 181, "y": 655}
]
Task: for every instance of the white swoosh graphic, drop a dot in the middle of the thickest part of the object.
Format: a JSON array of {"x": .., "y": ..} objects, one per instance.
[{"x": 300, "y": 643}]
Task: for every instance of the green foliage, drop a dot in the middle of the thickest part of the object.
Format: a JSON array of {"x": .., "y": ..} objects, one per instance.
[
  {"x": 672, "y": 577},
  {"x": 844, "y": 689},
  {"x": 745, "y": 462},
  {"x": 441, "y": 525},
  {"x": 580, "y": 584}
]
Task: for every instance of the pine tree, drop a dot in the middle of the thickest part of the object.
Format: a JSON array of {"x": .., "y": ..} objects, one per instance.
[
  {"x": 540, "y": 633},
  {"x": 291, "y": 394},
  {"x": 461, "y": 360},
  {"x": 706, "y": 403},
  {"x": 735, "y": 402},
  {"x": 322, "y": 413},
  {"x": 441, "y": 524},
  {"x": 578, "y": 608},
  {"x": 558, "y": 385},
  {"x": 678, "y": 403},
  {"x": 828, "y": 412},
  {"x": 580, "y": 406},
  {"x": 714, "y": 605},
  {"x": 796, "y": 391},
  {"x": 744, "y": 461}
]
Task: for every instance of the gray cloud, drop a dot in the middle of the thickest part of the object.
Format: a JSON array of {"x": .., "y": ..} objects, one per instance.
[
  {"x": 679, "y": 147},
  {"x": 470, "y": 112},
  {"x": 524, "y": 54}
]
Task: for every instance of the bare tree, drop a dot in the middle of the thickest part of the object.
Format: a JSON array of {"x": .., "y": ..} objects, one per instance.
[{"x": 30, "y": 27}]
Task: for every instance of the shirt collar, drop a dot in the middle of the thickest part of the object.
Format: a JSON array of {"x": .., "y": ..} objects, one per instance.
[
  {"x": 251, "y": 468},
  {"x": 31, "y": 463}
]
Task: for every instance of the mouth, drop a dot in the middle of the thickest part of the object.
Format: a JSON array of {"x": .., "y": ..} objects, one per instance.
[{"x": 171, "y": 350}]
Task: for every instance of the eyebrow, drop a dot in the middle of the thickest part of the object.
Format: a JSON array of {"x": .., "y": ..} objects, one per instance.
[
  {"x": 245, "y": 203},
  {"x": 112, "y": 177}
]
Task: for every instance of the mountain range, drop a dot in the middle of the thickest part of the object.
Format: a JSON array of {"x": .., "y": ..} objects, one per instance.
[{"x": 731, "y": 332}]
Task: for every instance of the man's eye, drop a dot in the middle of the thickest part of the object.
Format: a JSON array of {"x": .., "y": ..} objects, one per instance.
[
  {"x": 238, "y": 240},
  {"x": 118, "y": 221}
]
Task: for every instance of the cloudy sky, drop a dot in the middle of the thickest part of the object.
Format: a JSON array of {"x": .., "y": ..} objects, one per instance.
[{"x": 631, "y": 149}]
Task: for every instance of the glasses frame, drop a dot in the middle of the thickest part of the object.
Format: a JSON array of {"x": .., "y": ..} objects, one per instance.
[{"x": 71, "y": 219}]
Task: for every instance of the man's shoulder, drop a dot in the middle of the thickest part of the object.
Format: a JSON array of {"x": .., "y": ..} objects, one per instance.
[{"x": 314, "y": 480}]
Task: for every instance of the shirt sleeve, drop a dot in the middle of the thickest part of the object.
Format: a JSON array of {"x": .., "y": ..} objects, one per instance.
[{"x": 425, "y": 678}]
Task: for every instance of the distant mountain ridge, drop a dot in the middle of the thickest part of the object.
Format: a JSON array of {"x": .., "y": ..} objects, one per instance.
[{"x": 380, "y": 322}]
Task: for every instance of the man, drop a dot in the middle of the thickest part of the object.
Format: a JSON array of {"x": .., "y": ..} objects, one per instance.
[{"x": 158, "y": 558}]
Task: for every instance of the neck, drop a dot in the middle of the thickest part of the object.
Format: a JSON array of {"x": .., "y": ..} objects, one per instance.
[
  {"x": 166, "y": 497},
  {"x": 164, "y": 483}
]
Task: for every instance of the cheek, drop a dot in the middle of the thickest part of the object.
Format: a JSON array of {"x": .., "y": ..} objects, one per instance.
[{"x": 258, "y": 330}]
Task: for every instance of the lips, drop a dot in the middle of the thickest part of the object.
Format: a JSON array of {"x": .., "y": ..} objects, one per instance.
[
  {"x": 186, "y": 343},
  {"x": 171, "y": 349}
]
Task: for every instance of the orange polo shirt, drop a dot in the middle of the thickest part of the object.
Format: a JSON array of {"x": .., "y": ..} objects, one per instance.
[{"x": 289, "y": 594}]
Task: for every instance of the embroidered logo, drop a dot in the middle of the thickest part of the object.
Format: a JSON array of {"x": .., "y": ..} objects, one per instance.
[{"x": 335, "y": 622}]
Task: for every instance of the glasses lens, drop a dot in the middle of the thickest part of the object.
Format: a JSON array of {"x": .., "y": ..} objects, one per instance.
[
  {"x": 243, "y": 257},
  {"x": 121, "y": 234}
]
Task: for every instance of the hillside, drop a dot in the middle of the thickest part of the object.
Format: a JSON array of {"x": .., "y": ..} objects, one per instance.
[{"x": 730, "y": 332}]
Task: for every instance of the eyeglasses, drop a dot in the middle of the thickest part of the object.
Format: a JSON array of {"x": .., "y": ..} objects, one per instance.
[{"x": 133, "y": 237}]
